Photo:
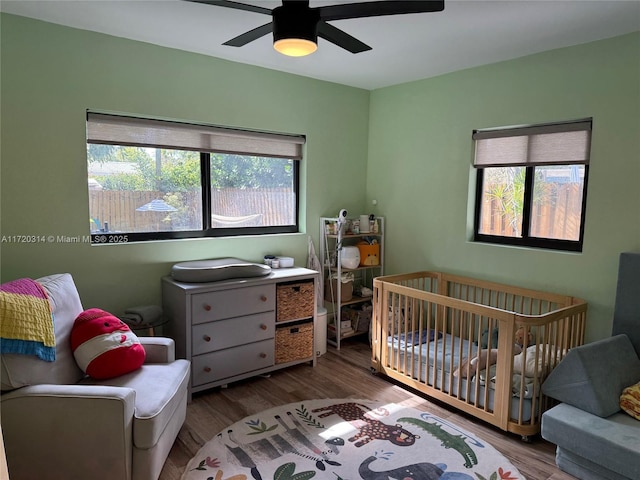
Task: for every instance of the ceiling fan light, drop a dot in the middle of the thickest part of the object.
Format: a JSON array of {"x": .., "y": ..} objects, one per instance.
[{"x": 295, "y": 47}]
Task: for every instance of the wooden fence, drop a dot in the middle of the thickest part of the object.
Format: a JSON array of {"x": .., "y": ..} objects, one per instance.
[
  {"x": 557, "y": 218},
  {"x": 118, "y": 208}
]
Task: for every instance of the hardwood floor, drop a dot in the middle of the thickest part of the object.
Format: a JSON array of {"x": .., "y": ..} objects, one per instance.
[{"x": 338, "y": 374}]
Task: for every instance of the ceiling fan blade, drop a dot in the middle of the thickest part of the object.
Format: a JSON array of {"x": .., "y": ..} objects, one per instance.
[
  {"x": 374, "y": 9},
  {"x": 236, "y": 5},
  {"x": 340, "y": 38},
  {"x": 250, "y": 36}
]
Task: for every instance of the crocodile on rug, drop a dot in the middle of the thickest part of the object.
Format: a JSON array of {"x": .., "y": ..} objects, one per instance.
[{"x": 347, "y": 439}]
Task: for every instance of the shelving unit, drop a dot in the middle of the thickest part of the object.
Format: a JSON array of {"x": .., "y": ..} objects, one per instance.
[{"x": 333, "y": 237}]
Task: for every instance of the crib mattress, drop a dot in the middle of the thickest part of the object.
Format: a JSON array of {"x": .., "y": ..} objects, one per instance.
[
  {"x": 410, "y": 358},
  {"x": 453, "y": 347}
]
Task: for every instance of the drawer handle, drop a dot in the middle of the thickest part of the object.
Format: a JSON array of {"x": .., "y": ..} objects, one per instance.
[
  {"x": 263, "y": 298},
  {"x": 263, "y": 355},
  {"x": 207, "y": 307},
  {"x": 263, "y": 326},
  {"x": 207, "y": 369},
  {"x": 206, "y": 338}
]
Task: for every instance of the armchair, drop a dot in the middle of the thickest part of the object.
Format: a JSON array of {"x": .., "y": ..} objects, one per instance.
[{"x": 59, "y": 424}]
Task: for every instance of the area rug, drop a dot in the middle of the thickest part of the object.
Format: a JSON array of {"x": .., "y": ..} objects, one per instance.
[{"x": 346, "y": 439}]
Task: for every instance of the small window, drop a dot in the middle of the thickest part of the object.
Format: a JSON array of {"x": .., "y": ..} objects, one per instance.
[
  {"x": 531, "y": 185},
  {"x": 151, "y": 180}
]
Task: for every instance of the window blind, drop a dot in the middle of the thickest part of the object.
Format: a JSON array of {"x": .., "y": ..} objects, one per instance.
[
  {"x": 109, "y": 129},
  {"x": 549, "y": 144}
]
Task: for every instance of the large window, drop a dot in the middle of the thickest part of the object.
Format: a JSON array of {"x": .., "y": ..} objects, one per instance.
[
  {"x": 531, "y": 184},
  {"x": 151, "y": 180}
]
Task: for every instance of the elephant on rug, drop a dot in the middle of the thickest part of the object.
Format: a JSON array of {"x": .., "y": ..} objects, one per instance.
[{"x": 417, "y": 471}]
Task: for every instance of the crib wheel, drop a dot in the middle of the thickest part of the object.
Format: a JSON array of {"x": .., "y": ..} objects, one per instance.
[
  {"x": 527, "y": 438},
  {"x": 373, "y": 371}
]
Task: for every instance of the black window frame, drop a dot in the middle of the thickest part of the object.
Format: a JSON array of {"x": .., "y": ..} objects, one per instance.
[
  {"x": 526, "y": 239},
  {"x": 208, "y": 231}
]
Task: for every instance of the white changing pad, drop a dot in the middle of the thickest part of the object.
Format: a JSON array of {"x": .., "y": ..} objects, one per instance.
[{"x": 217, "y": 269}]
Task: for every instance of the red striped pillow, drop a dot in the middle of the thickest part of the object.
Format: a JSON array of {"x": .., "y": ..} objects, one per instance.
[{"x": 104, "y": 346}]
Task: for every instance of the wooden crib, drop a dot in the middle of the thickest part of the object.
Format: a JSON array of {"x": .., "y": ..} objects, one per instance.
[{"x": 454, "y": 339}]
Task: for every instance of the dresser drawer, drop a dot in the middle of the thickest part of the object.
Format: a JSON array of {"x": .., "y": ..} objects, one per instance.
[
  {"x": 222, "y": 364},
  {"x": 206, "y": 307},
  {"x": 231, "y": 332}
]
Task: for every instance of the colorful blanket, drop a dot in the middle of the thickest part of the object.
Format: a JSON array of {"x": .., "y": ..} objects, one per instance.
[{"x": 27, "y": 321}]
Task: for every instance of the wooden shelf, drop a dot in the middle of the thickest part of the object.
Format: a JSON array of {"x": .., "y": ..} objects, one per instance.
[
  {"x": 354, "y": 300},
  {"x": 343, "y": 269},
  {"x": 332, "y": 336},
  {"x": 354, "y": 235}
]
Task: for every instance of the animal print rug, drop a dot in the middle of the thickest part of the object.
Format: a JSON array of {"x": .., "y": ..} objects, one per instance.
[{"x": 347, "y": 440}]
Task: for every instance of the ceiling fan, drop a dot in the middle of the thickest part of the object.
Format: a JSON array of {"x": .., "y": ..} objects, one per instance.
[{"x": 296, "y": 26}]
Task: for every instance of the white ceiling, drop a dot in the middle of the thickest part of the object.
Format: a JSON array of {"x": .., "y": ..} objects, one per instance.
[{"x": 405, "y": 47}]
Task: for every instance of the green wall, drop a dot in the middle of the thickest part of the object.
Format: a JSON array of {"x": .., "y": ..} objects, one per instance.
[
  {"x": 52, "y": 74},
  {"x": 408, "y": 147},
  {"x": 420, "y": 155}
]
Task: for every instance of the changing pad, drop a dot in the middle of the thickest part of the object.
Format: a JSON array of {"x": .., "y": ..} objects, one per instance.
[{"x": 217, "y": 269}]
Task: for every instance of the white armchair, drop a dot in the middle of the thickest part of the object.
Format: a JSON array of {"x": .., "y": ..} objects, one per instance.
[{"x": 59, "y": 424}]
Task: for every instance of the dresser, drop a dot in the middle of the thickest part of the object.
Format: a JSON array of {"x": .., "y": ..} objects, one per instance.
[{"x": 239, "y": 328}]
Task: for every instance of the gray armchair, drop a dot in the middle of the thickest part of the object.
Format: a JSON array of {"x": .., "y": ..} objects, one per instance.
[{"x": 59, "y": 424}]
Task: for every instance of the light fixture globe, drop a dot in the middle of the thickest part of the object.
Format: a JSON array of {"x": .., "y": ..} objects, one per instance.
[
  {"x": 295, "y": 47},
  {"x": 295, "y": 30}
]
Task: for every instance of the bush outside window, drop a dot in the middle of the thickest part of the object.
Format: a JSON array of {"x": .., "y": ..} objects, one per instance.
[
  {"x": 148, "y": 191},
  {"x": 531, "y": 185}
]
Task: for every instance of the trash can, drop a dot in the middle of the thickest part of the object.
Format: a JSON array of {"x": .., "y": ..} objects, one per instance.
[{"x": 320, "y": 333}]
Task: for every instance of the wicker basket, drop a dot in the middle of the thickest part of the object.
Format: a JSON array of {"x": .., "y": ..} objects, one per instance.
[
  {"x": 294, "y": 300},
  {"x": 294, "y": 341}
]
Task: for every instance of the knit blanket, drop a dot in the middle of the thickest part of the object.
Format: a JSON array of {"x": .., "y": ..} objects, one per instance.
[{"x": 27, "y": 320}]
